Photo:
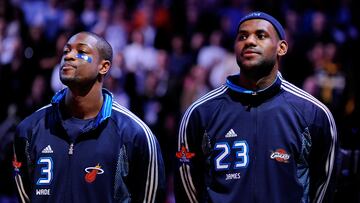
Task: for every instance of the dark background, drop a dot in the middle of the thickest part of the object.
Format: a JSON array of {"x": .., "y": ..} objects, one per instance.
[{"x": 186, "y": 49}]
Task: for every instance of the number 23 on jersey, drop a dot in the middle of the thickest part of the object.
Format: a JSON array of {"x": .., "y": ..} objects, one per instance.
[{"x": 239, "y": 149}]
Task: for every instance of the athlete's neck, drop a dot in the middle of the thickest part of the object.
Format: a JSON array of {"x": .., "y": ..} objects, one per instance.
[
  {"x": 84, "y": 106},
  {"x": 257, "y": 84}
]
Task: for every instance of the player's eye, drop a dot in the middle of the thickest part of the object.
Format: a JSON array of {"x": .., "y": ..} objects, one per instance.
[
  {"x": 66, "y": 51},
  {"x": 242, "y": 37},
  {"x": 261, "y": 36}
]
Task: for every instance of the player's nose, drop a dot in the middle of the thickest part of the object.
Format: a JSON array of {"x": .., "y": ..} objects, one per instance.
[
  {"x": 69, "y": 55},
  {"x": 251, "y": 40}
]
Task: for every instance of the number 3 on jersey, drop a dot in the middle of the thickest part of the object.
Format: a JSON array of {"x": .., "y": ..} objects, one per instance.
[
  {"x": 241, "y": 154},
  {"x": 46, "y": 171}
]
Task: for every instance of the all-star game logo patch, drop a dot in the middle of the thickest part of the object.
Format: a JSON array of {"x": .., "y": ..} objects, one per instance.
[
  {"x": 280, "y": 155},
  {"x": 16, "y": 165},
  {"x": 184, "y": 155}
]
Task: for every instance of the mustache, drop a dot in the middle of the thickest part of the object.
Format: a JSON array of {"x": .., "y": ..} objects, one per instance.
[
  {"x": 68, "y": 64},
  {"x": 250, "y": 50}
]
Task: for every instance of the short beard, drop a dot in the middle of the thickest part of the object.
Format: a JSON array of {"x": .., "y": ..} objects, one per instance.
[
  {"x": 69, "y": 81},
  {"x": 77, "y": 82},
  {"x": 257, "y": 71}
]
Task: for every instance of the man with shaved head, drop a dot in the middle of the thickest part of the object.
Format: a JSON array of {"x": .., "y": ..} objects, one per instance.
[{"x": 85, "y": 147}]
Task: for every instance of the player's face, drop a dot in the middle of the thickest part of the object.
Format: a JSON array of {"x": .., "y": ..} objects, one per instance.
[
  {"x": 256, "y": 46},
  {"x": 80, "y": 62}
]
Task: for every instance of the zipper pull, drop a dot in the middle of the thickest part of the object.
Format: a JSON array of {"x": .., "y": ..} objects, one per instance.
[{"x": 71, "y": 149}]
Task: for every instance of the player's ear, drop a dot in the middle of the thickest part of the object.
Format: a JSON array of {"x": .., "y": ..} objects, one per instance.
[
  {"x": 282, "y": 48},
  {"x": 104, "y": 67}
]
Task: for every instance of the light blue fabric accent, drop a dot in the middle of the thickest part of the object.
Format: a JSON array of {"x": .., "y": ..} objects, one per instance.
[
  {"x": 58, "y": 96},
  {"x": 105, "y": 111},
  {"x": 237, "y": 88}
]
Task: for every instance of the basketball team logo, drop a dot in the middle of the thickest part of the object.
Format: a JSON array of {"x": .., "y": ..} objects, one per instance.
[
  {"x": 92, "y": 172},
  {"x": 184, "y": 155},
  {"x": 280, "y": 155}
]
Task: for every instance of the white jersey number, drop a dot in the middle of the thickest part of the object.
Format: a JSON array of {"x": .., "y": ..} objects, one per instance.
[
  {"x": 46, "y": 171},
  {"x": 241, "y": 154}
]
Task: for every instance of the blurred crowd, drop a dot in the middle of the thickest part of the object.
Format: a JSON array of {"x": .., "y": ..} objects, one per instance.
[{"x": 168, "y": 53}]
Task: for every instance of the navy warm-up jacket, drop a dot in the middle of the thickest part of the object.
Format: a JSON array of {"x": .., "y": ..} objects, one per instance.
[
  {"x": 116, "y": 158},
  {"x": 273, "y": 145}
]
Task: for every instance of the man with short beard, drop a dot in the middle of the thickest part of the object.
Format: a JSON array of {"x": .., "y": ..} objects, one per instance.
[
  {"x": 85, "y": 147},
  {"x": 257, "y": 138}
]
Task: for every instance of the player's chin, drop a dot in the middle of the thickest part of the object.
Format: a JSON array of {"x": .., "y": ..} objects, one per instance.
[
  {"x": 249, "y": 64},
  {"x": 67, "y": 79}
]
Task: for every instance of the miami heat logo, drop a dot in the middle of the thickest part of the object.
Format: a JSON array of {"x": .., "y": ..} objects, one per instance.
[
  {"x": 280, "y": 155},
  {"x": 92, "y": 172},
  {"x": 184, "y": 155}
]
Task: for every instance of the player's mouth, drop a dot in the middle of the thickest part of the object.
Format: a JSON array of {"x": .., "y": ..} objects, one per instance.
[
  {"x": 67, "y": 66},
  {"x": 248, "y": 53}
]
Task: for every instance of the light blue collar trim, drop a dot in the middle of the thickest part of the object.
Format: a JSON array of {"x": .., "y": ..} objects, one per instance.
[
  {"x": 106, "y": 108},
  {"x": 105, "y": 111},
  {"x": 240, "y": 89}
]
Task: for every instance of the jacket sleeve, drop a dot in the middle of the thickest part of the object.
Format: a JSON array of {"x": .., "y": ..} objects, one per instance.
[
  {"x": 322, "y": 161},
  {"x": 189, "y": 181},
  {"x": 146, "y": 181},
  {"x": 22, "y": 165}
]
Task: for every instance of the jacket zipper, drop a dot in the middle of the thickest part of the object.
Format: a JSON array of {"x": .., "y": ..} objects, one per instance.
[
  {"x": 254, "y": 184},
  {"x": 71, "y": 149},
  {"x": 70, "y": 153}
]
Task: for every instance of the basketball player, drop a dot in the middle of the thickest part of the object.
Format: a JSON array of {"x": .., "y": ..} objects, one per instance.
[
  {"x": 257, "y": 138},
  {"x": 84, "y": 147}
]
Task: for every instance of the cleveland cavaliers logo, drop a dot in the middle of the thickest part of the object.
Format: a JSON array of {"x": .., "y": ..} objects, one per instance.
[
  {"x": 280, "y": 155},
  {"x": 92, "y": 172}
]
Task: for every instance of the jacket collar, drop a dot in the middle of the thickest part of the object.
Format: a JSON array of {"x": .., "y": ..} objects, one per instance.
[
  {"x": 249, "y": 97},
  {"x": 231, "y": 82},
  {"x": 104, "y": 113}
]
